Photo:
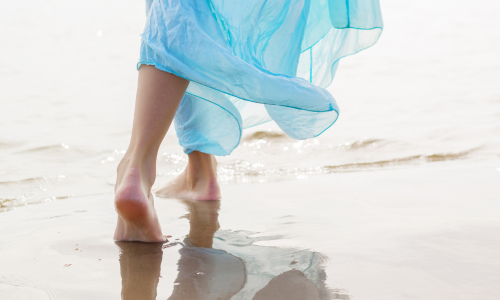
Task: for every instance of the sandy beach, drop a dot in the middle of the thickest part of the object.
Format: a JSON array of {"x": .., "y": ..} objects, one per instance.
[
  {"x": 400, "y": 199},
  {"x": 429, "y": 232}
]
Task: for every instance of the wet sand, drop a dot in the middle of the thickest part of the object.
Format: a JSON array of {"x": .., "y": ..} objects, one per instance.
[
  {"x": 398, "y": 200},
  {"x": 425, "y": 232}
]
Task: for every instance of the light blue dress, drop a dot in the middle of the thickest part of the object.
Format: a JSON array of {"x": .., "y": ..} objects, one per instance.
[{"x": 252, "y": 61}]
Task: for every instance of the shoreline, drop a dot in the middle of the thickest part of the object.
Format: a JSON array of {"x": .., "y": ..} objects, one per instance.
[{"x": 419, "y": 227}]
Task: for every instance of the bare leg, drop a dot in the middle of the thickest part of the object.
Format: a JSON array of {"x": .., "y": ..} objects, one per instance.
[
  {"x": 197, "y": 182},
  {"x": 158, "y": 96}
]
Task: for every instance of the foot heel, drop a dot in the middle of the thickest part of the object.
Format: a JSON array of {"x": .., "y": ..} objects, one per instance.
[{"x": 131, "y": 205}]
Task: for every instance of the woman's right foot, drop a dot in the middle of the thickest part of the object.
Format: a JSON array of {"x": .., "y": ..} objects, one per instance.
[
  {"x": 137, "y": 219},
  {"x": 197, "y": 182}
]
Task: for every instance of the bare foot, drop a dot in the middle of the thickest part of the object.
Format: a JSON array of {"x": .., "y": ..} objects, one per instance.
[
  {"x": 197, "y": 182},
  {"x": 137, "y": 219}
]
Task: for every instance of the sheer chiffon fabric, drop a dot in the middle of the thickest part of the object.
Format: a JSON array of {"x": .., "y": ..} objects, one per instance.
[{"x": 252, "y": 61}]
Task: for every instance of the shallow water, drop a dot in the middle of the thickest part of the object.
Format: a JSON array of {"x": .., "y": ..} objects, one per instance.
[
  {"x": 413, "y": 233},
  {"x": 427, "y": 92},
  {"x": 398, "y": 200},
  {"x": 209, "y": 263}
]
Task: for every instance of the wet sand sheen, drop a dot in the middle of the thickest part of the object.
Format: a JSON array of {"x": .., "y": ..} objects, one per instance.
[
  {"x": 423, "y": 223},
  {"x": 412, "y": 238}
]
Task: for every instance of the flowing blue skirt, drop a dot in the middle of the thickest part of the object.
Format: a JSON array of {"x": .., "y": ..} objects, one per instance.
[{"x": 252, "y": 61}]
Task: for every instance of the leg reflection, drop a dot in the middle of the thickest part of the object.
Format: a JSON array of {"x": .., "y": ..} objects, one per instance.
[
  {"x": 203, "y": 223},
  {"x": 206, "y": 273},
  {"x": 140, "y": 269}
]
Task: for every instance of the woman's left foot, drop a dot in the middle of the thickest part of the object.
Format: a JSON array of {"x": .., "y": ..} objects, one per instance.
[
  {"x": 137, "y": 219},
  {"x": 197, "y": 182}
]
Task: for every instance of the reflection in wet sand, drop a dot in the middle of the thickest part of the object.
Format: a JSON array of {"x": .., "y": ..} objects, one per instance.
[
  {"x": 292, "y": 284},
  {"x": 140, "y": 269},
  {"x": 203, "y": 223},
  {"x": 248, "y": 272},
  {"x": 206, "y": 273}
]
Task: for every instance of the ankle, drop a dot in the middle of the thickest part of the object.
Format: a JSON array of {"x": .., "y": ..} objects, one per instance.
[
  {"x": 144, "y": 165},
  {"x": 201, "y": 166}
]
